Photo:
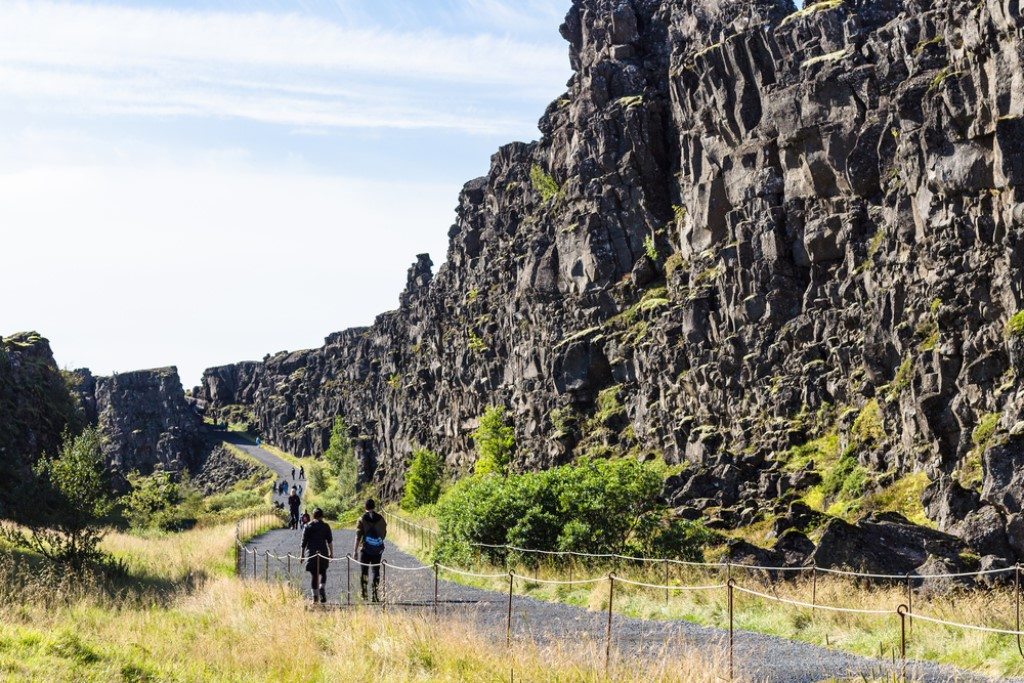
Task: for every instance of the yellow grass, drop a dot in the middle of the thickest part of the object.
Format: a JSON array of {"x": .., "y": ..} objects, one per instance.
[
  {"x": 870, "y": 635},
  {"x": 220, "y": 628}
]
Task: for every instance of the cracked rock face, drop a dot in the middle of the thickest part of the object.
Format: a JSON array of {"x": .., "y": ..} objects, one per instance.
[
  {"x": 146, "y": 422},
  {"x": 738, "y": 216}
]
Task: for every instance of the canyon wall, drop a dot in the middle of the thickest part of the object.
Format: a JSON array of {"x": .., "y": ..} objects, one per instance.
[{"x": 780, "y": 248}]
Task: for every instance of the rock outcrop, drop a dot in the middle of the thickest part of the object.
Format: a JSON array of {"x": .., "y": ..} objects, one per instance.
[
  {"x": 745, "y": 230},
  {"x": 36, "y": 409},
  {"x": 146, "y": 422}
]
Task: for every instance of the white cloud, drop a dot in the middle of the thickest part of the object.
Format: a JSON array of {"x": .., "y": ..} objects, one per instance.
[{"x": 274, "y": 68}]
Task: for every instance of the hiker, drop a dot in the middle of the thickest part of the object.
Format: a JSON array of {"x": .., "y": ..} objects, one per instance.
[
  {"x": 300, "y": 489},
  {"x": 293, "y": 508},
  {"x": 302, "y": 472},
  {"x": 318, "y": 546},
  {"x": 304, "y": 519},
  {"x": 369, "y": 549},
  {"x": 257, "y": 441},
  {"x": 293, "y": 474}
]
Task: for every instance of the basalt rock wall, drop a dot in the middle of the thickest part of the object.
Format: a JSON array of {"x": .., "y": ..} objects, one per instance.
[{"x": 746, "y": 230}]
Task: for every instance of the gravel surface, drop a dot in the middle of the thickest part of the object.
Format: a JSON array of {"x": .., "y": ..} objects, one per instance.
[{"x": 409, "y": 585}]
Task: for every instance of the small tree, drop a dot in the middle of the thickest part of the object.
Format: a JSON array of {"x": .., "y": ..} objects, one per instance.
[
  {"x": 160, "y": 501},
  {"x": 341, "y": 457},
  {"x": 423, "y": 480},
  {"x": 495, "y": 441},
  {"x": 72, "y": 500}
]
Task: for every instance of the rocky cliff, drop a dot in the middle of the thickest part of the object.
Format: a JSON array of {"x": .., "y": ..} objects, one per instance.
[
  {"x": 35, "y": 409},
  {"x": 782, "y": 247},
  {"x": 144, "y": 417},
  {"x": 147, "y": 423}
]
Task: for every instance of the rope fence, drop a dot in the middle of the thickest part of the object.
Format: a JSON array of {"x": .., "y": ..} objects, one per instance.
[{"x": 902, "y": 613}]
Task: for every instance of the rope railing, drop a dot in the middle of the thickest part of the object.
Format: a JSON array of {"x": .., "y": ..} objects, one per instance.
[{"x": 903, "y": 611}]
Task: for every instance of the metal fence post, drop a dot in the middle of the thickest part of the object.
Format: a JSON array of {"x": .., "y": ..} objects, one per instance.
[
  {"x": 665, "y": 567},
  {"x": 730, "y": 585},
  {"x": 266, "y": 567},
  {"x": 608, "y": 629},
  {"x": 348, "y": 579},
  {"x": 435, "y": 588},
  {"x": 255, "y": 562},
  {"x": 384, "y": 585},
  {"x": 508, "y": 624},
  {"x": 902, "y": 611},
  {"x": 814, "y": 586}
]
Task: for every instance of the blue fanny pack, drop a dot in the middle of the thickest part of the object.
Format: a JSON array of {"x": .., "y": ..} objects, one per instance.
[{"x": 373, "y": 542}]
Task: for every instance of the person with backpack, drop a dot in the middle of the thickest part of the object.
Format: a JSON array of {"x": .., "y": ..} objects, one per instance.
[
  {"x": 293, "y": 509},
  {"x": 318, "y": 546},
  {"x": 304, "y": 519},
  {"x": 371, "y": 531}
]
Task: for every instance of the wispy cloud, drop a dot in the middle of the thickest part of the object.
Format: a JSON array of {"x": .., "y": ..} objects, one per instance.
[{"x": 288, "y": 69}]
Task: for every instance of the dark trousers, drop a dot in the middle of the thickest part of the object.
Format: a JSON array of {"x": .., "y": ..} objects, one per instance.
[
  {"x": 317, "y": 568},
  {"x": 371, "y": 561}
]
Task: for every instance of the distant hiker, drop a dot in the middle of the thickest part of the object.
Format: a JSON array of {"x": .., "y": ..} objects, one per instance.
[
  {"x": 300, "y": 489},
  {"x": 304, "y": 519},
  {"x": 318, "y": 546},
  {"x": 293, "y": 473},
  {"x": 283, "y": 488},
  {"x": 257, "y": 441},
  {"x": 369, "y": 549},
  {"x": 302, "y": 472},
  {"x": 293, "y": 508}
]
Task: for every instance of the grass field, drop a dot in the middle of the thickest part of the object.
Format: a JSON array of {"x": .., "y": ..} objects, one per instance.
[
  {"x": 870, "y": 635},
  {"x": 179, "y": 614}
]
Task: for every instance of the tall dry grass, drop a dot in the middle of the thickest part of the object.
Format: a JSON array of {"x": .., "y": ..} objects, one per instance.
[
  {"x": 211, "y": 627},
  {"x": 869, "y": 635}
]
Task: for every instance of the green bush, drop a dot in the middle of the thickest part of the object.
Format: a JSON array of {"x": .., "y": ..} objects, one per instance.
[
  {"x": 495, "y": 441},
  {"x": 597, "y": 506},
  {"x": 70, "y": 504},
  {"x": 423, "y": 480},
  {"x": 341, "y": 458},
  {"x": 317, "y": 477},
  {"x": 543, "y": 183},
  {"x": 158, "y": 501}
]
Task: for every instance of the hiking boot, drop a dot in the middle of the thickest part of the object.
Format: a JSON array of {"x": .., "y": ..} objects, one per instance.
[{"x": 323, "y": 595}]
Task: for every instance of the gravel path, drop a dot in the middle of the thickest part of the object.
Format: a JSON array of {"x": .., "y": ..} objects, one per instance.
[{"x": 761, "y": 657}]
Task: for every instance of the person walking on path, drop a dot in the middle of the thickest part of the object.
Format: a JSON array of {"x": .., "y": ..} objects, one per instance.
[
  {"x": 293, "y": 474},
  {"x": 371, "y": 531},
  {"x": 302, "y": 472},
  {"x": 318, "y": 546},
  {"x": 293, "y": 508}
]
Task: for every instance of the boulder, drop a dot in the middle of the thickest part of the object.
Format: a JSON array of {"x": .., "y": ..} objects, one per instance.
[{"x": 885, "y": 543}]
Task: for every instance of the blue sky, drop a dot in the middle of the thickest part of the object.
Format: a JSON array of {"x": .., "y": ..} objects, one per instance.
[{"x": 195, "y": 183}]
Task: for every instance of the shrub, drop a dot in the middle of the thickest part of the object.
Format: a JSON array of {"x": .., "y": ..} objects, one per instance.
[
  {"x": 317, "y": 477},
  {"x": 340, "y": 456},
  {"x": 495, "y": 440},
  {"x": 71, "y": 503},
  {"x": 158, "y": 501},
  {"x": 594, "y": 506},
  {"x": 543, "y": 183},
  {"x": 650, "y": 248},
  {"x": 423, "y": 480}
]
